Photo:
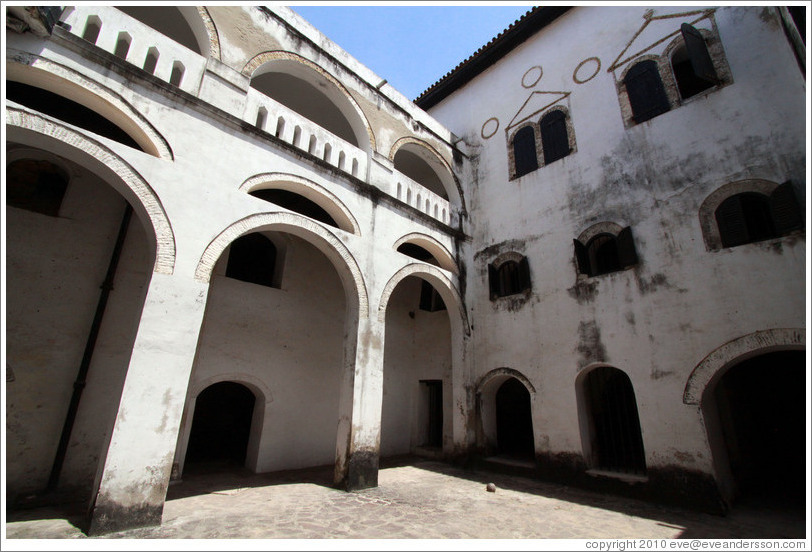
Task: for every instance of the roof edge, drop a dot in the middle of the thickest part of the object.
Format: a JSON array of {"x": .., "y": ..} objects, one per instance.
[{"x": 529, "y": 24}]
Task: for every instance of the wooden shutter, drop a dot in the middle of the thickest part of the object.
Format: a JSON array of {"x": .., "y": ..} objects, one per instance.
[
  {"x": 554, "y": 139},
  {"x": 646, "y": 91},
  {"x": 785, "y": 209},
  {"x": 582, "y": 257},
  {"x": 493, "y": 282},
  {"x": 524, "y": 151},
  {"x": 524, "y": 274},
  {"x": 626, "y": 253},
  {"x": 698, "y": 53},
  {"x": 731, "y": 223}
]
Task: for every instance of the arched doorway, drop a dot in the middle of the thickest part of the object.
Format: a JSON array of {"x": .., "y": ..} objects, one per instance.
[
  {"x": 221, "y": 426},
  {"x": 760, "y": 403},
  {"x": 514, "y": 423},
  {"x": 615, "y": 442}
]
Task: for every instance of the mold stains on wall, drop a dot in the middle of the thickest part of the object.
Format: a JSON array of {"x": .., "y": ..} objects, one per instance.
[
  {"x": 590, "y": 347},
  {"x": 584, "y": 291}
]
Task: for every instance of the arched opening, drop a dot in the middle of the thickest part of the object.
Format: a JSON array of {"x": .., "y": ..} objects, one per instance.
[
  {"x": 66, "y": 110},
  {"x": 603, "y": 254},
  {"x": 170, "y": 22},
  {"x": 760, "y": 406},
  {"x": 296, "y": 203},
  {"x": 514, "y": 424},
  {"x": 555, "y": 142},
  {"x": 289, "y": 342},
  {"x": 416, "y": 168},
  {"x": 305, "y": 98},
  {"x": 525, "y": 157},
  {"x": 417, "y": 394},
  {"x": 221, "y": 427},
  {"x": 615, "y": 440},
  {"x": 77, "y": 272},
  {"x": 416, "y": 252},
  {"x": 252, "y": 259}
]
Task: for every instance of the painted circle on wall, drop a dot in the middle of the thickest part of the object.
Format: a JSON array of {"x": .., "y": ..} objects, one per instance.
[
  {"x": 492, "y": 123},
  {"x": 579, "y": 76},
  {"x": 532, "y": 76}
]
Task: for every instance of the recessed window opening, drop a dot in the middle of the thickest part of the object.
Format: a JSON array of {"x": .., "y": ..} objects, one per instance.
[
  {"x": 123, "y": 45},
  {"x": 524, "y": 151},
  {"x": 354, "y": 167},
  {"x": 692, "y": 64},
  {"x": 342, "y": 160},
  {"x": 328, "y": 150},
  {"x": 514, "y": 423},
  {"x": 151, "y": 60},
  {"x": 280, "y": 127},
  {"x": 510, "y": 278},
  {"x": 554, "y": 137},
  {"x": 646, "y": 92},
  {"x": 413, "y": 166},
  {"x": 167, "y": 20},
  {"x": 296, "y": 203},
  {"x": 297, "y": 134},
  {"x": 177, "y": 74},
  {"x": 617, "y": 443},
  {"x": 430, "y": 300},
  {"x": 311, "y": 146},
  {"x": 252, "y": 259},
  {"x": 221, "y": 426},
  {"x": 37, "y": 186},
  {"x": 605, "y": 253},
  {"x": 66, "y": 110},
  {"x": 751, "y": 217},
  {"x": 92, "y": 29},
  {"x": 416, "y": 252}
]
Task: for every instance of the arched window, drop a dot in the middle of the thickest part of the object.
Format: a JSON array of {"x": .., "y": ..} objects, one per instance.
[
  {"x": 750, "y": 216},
  {"x": 692, "y": 64},
  {"x": 296, "y": 203},
  {"x": 554, "y": 137},
  {"x": 524, "y": 151},
  {"x": 616, "y": 441},
  {"x": 646, "y": 92},
  {"x": 606, "y": 253},
  {"x": 37, "y": 186},
  {"x": 252, "y": 259},
  {"x": 509, "y": 278}
]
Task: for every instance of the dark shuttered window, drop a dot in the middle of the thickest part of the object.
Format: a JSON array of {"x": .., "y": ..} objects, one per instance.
[
  {"x": 606, "y": 253},
  {"x": 524, "y": 151},
  {"x": 646, "y": 92},
  {"x": 751, "y": 217},
  {"x": 509, "y": 279},
  {"x": 554, "y": 139},
  {"x": 692, "y": 64},
  {"x": 252, "y": 259}
]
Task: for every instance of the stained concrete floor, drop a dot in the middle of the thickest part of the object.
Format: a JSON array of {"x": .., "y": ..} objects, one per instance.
[{"x": 417, "y": 500}]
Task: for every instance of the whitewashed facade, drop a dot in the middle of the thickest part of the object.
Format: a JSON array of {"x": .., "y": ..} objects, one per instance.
[{"x": 287, "y": 203}]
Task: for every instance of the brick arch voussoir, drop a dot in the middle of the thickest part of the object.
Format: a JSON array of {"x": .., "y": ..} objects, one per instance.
[
  {"x": 146, "y": 196},
  {"x": 496, "y": 373}
]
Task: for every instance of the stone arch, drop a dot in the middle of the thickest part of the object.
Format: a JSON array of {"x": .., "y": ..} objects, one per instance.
[
  {"x": 437, "y": 278},
  {"x": 298, "y": 225},
  {"x": 498, "y": 375},
  {"x": 54, "y": 77},
  {"x": 713, "y": 366},
  {"x": 707, "y": 211},
  {"x": 605, "y": 227},
  {"x": 437, "y": 162},
  {"x": 309, "y": 189},
  {"x": 21, "y": 124},
  {"x": 430, "y": 244},
  {"x": 210, "y": 28},
  {"x": 341, "y": 97}
]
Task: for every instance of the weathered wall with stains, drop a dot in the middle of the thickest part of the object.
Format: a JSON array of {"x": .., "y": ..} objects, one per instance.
[{"x": 657, "y": 320}]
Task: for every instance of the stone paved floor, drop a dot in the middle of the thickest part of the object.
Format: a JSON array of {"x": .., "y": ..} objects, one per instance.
[{"x": 423, "y": 500}]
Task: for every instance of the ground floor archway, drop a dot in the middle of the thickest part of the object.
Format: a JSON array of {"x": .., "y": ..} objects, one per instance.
[
  {"x": 514, "y": 423},
  {"x": 221, "y": 426},
  {"x": 761, "y": 407}
]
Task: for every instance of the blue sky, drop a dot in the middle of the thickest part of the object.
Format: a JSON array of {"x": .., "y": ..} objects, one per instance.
[{"x": 411, "y": 46}]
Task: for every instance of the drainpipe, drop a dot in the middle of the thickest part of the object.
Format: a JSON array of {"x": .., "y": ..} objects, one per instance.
[{"x": 81, "y": 377}]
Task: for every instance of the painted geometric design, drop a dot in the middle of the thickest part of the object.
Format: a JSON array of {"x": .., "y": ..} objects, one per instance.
[{"x": 535, "y": 103}]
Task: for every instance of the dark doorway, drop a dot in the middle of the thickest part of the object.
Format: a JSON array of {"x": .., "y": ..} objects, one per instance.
[
  {"x": 617, "y": 443},
  {"x": 762, "y": 410},
  {"x": 220, "y": 427},
  {"x": 433, "y": 393},
  {"x": 514, "y": 424}
]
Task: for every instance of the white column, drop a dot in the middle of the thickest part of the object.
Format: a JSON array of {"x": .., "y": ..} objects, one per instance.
[{"x": 135, "y": 475}]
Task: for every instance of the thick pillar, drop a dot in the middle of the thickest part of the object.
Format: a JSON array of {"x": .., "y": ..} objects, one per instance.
[
  {"x": 135, "y": 475},
  {"x": 359, "y": 431}
]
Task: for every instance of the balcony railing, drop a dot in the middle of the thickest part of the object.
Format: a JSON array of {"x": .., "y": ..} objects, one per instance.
[
  {"x": 141, "y": 45},
  {"x": 121, "y": 35}
]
